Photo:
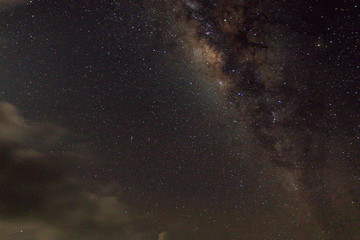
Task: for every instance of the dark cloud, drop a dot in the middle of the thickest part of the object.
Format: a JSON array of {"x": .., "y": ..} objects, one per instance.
[{"x": 40, "y": 198}]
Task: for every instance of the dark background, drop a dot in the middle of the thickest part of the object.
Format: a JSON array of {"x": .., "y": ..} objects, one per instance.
[{"x": 116, "y": 74}]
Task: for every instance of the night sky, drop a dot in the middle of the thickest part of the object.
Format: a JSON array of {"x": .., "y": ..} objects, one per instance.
[{"x": 179, "y": 120}]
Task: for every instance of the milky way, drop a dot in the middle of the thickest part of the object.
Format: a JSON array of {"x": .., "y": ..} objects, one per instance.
[{"x": 277, "y": 75}]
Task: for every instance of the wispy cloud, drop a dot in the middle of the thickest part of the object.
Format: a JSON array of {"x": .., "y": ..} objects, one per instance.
[{"x": 40, "y": 199}]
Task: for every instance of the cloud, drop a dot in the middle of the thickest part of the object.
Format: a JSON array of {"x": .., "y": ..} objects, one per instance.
[
  {"x": 41, "y": 199},
  {"x": 163, "y": 236}
]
